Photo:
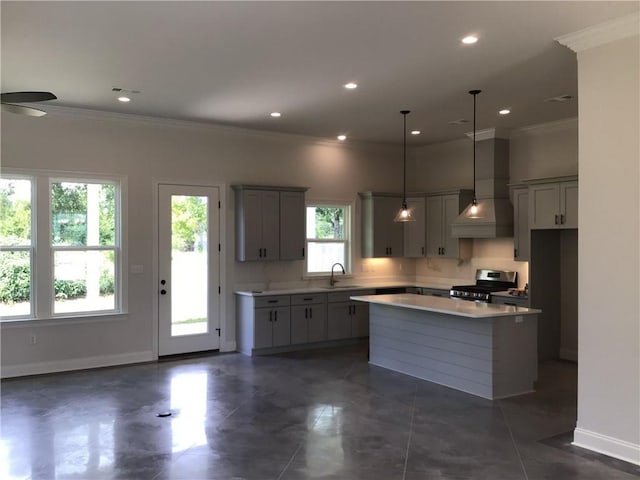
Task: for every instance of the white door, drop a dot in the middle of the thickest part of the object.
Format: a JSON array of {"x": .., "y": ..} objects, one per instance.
[{"x": 188, "y": 269}]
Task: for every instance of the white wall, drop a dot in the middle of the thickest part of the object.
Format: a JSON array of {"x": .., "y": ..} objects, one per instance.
[
  {"x": 145, "y": 150},
  {"x": 609, "y": 249}
]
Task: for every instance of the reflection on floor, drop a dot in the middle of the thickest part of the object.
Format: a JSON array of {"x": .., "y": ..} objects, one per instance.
[{"x": 323, "y": 415}]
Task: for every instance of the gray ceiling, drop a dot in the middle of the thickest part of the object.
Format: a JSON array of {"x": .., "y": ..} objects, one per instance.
[{"x": 234, "y": 62}]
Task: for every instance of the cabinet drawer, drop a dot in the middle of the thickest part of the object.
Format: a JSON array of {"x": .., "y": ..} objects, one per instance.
[
  {"x": 275, "y": 301},
  {"x": 308, "y": 298},
  {"x": 345, "y": 295}
]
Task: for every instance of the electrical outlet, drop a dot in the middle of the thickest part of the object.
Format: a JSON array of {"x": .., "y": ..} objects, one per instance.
[
  {"x": 33, "y": 340},
  {"x": 519, "y": 319}
]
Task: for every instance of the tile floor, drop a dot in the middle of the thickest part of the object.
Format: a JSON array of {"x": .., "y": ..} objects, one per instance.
[{"x": 322, "y": 414}]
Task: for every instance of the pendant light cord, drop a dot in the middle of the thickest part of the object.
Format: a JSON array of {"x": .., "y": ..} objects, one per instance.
[{"x": 404, "y": 158}]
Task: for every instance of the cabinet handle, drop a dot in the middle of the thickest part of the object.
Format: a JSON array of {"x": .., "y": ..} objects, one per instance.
[
  {"x": 562, "y": 219},
  {"x": 275, "y": 316},
  {"x": 265, "y": 253},
  {"x": 444, "y": 250},
  {"x": 515, "y": 252},
  {"x": 272, "y": 301},
  {"x": 305, "y": 312},
  {"x": 354, "y": 310},
  {"x": 308, "y": 299},
  {"x": 555, "y": 220},
  {"x": 422, "y": 250},
  {"x": 271, "y": 315},
  {"x": 390, "y": 250},
  {"x": 302, "y": 252}
]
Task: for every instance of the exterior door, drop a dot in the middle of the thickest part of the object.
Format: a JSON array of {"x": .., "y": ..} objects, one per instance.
[{"x": 188, "y": 269}]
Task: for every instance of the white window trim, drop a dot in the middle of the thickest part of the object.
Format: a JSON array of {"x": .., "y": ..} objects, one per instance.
[
  {"x": 43, "y": 258},
  {"x": 349, "y": 234}
]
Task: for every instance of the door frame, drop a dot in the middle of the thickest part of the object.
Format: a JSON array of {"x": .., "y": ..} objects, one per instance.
[{"x": 225, "y": 345}]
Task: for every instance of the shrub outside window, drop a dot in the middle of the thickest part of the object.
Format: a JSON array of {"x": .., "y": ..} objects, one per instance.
[{"x": 328, "y": 229}]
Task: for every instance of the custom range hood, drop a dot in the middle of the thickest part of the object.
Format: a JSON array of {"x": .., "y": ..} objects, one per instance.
[{"x": 493, "y": 215}]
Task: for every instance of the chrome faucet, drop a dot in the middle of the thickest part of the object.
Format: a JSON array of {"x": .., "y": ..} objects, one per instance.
[{"x": 333, "y": 281}]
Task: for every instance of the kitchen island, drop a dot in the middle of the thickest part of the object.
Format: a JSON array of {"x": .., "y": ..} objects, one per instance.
[{"x": 481, "y": 348}]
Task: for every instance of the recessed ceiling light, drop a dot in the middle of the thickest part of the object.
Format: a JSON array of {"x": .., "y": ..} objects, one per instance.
[
  {"x": 275, "y": 114},
  {"x": 351, "y": 85},
  {"x": 415, "y": 132},
  {"x": 504, "y": 111},
  {"x": 469, "y": 39},
  {"x": 124, "y": 99},
  {"x": 342, "y": 137}
]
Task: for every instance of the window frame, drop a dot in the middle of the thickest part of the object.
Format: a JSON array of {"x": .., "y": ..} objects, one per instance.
[
  {"x": 43, "y": 255},
  {"x": 347, "y": 241}
]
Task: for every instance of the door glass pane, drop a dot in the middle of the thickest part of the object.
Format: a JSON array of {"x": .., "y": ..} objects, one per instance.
[
  {"x": 15, "y": 283},
  {"x": 189, "y": 260},
  {"x": 84, "y": 281}
]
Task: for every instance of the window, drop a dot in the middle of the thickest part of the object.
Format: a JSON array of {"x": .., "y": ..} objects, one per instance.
[
  {"x": 328, "y": 233},
  {"x": 16, "y": 247},
  {"x": 60, "y": 246}
]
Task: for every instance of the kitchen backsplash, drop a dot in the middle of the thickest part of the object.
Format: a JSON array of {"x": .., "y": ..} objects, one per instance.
[{"x": 494, "y": 253}]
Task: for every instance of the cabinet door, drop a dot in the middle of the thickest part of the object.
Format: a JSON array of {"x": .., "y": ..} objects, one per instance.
[
  {"x": 359, "y": 319},
  {"x": 388, "y": 236},
  {"x": 249, "y": 241},
  {"x": 521, "y": 236},
  {"x": 451, "y": 210},
  {"x": 339, "y": 320},
  {"x": 434, "y": 226},
  {"x": 292, "y": 225},
  {"x": 281, "y": 326},
  {"x": 299, "y": 324},
  {"x": 569, "y": 204},
  {"x": 544, "y": 208},
  {"x": 317, "y": 323},
  {"x": 414, "y": 232},
  {"x": 263, "y": 330},
  {"x": 270, "y": 224}
]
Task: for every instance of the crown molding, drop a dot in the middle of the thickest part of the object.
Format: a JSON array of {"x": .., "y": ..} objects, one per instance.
[
  {"x": 548, "y": 127},
  {"x": 489, "y": 133},
  {"x": 132, "y": 118},
  {"x": 606, "y": 32}
]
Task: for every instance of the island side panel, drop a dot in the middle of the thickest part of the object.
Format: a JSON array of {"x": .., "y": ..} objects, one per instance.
[
  {"x": 449, "y": 350},
  {"x": 515, "y": 362}
]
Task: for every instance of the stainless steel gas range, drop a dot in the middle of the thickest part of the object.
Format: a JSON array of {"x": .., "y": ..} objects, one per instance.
[{"x": 487, "y": 281}]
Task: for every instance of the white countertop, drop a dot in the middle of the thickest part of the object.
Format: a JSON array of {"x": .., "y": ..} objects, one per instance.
[
  {"x": 346, "y": 286},
  {"x": 461, "y": 308}
]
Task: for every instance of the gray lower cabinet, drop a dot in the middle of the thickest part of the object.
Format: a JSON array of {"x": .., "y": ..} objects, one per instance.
[
  {"x": 272, "y": 327},
  {"x": 308, "y": 318},
  {"x": 513, "y": 300},
  {"x": 263, "y": 322},
  {"x": 346, "y": 318},
  {"x": 435, "y": 292}
]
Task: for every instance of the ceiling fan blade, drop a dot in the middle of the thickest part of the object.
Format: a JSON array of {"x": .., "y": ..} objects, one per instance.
[
  {"x": 20, "y": 110},
  {"x": 27, "y": 97}
]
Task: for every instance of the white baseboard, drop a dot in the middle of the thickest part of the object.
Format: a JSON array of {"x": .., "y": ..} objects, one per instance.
[
  {"x": 613, "y": 447},
  {"x": 568, "y": 354},
  {"x": 8, "y": 371}
]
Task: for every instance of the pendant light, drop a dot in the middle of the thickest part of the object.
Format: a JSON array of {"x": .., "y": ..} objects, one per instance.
[
  {"x": 473, "y": 211},
  {"x": 404, "y": 214}
]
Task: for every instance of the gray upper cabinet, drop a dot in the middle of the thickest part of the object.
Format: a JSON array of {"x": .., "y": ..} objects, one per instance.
[
  {"x": 414, "y": 232},
  {"x": 553, "y": 204},
  {"x": 292, "y": 225},
  {"x": 442, "y": 210},
  {"x": 270, "y": 223},
  {"x": 381, "y": 236},
  {"x": 521, "y": 233}
]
